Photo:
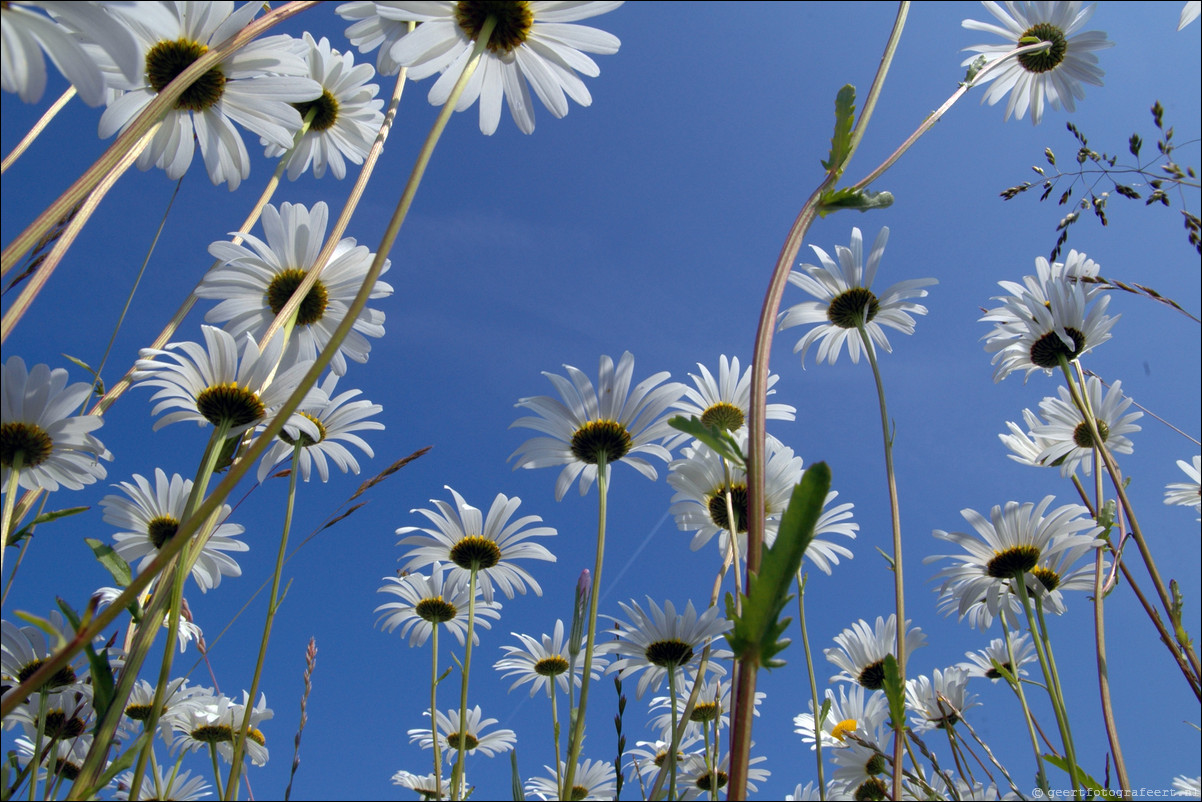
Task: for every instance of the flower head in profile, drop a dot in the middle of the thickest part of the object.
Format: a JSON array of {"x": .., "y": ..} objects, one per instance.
[
  {"x": 845, "y": 301},
  {"x": 594, "y": 779},
  {"x": 712, "y": 707},
  {"x": 185, "y": 633},
  {"x": 253, "y": 282},
  {"x": 148, "y": 517},
  {"x": 1187, "y": 494},
  {"x": 26, "y": 34},
  {"x": 345, "y": 118},
  {"x": 40, "y": 434},
  {"x": 532, "y": 43},
  {"x": 253, "y": 87},
  {"x": 23, "y": 650},
  {"x": 699, "y": 780},
  {"x": 543, "y": 662},
  {"x": 429, "y": 600},
  {"x": 660, "y": 640},
  {"x": 337, "y": 419},
  {"x": 984, "y": 663},
  {"x": 165, "y": 783},
  {"x": 449, "y": 731},
  {"x": 938, "y": 701},
  {"x": 487, "y": 545},
  {"x": 1052, "y": 76},
  {"x": 648, "y": 757},
  {"x": 862, "y": 648},
  {"x": 724, "y": 402},
  {"x": 212, "y": 384},
  {"x": 1069, "y": 442},
  {"x": 427, "y": 786},
  {"x": 610, "y": 422}
]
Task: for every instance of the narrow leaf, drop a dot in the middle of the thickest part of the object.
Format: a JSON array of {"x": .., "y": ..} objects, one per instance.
[
  {"x": 1085, "y": 779},
  {"x": 895, "y": 692},
  {"x": 848, "y": 198},
  {"x": 45, "y": 517},
  {"x": 112, "y": 561},
  {"x": 845, "y": 112},
  {"x": 715, "y": 437},
  {"x": 518, "y": 796}
]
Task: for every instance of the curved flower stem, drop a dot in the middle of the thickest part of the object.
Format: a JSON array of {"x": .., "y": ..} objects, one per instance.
[
  {"x": 1171, "y": 610},
  {"x": 10, "y": 495},
  {"x": 744, "y": 693},
  {"x": 576, "y": 737},
  {"x": 555, "y": 733},
  {"x": 216, "y": 771},
  {"x": 78, "y": 217},
  {"x": 434, "y": 711},
  {"x": 1041, "y": 777},
  {"x": 899, "y": 588},
  {"x": 805, "y": 643},
  {"x": 37, "y": 129},
  {"x": 273, "y": 604},
  {"x": 674, "y": 746},
  {"x": 150, "y": 116},
  {"x": 457, "y": 772}
]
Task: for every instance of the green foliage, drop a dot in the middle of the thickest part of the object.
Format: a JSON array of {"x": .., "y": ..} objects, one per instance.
[
  {"x": 515, "y": 778},
  {"x": 977, "y": 65},
  {"x": 1089, "y": 782},
  {"x": 845, "y": 113},
  {"x": 756, "y": 632},
  {"x": 45, "y": 517},
  {"x": 717, "y": 438},
  {"x": 103, "y": 684},
  {"x": 111, "y": 560},
  {"x": 847, "y": 198},
  {"x": 895, "y": 692}
]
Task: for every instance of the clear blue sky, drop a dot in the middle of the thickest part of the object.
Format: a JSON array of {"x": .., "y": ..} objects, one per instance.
[{"x": 650, "y": 222}]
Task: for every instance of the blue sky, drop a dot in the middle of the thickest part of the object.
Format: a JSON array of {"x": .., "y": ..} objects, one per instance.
[{"x": 650, "y": 222}]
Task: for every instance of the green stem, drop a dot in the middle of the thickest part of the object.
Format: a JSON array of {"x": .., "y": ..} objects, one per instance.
[
  {"x": 10, "y": 499},
  {"x": 434, "y": 712},
  {"x": 675, "y": 743},
  {"x": 805, "y": 642},
  {"x": 37, "y": 129},
  {"x": 457, "y": 773},
  {"x": 216, "y": 771},
  {"x": 577, "y": 735},
  {"x": 273, "y": 604},
  {"x": 1041, "y": 777}
]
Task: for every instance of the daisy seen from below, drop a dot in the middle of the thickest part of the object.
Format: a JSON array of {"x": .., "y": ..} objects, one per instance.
[
  {"x": 369, "y": 31},
  {"x": 65, "y": 763},
  {"x": 854, "y": 711},
  {"x": 1012, "y": 542},
  {"x": 23, "y": 650},
  {"x": 1051, "y": 77},
  {"x": 939, "y": 700},
  {"x": 427, "y": 601},
  {"x": 345, "y": 118},
  {"x": 648, "y": 757},
  {"x": 699, "y": 504},
  {"x": 212, "y": 384},
  {"x": 427, "y": 786},
  {"x": 491, "y": 744},
  {"x": 185, "y": 634},
  {"x": 487, "y": 545},
  {"x": 43, "y": 444},
  {"x": 700, "y": 781},
  {"x": 27, "y": 33},
  {"x": 253, "y": 282},
  {"x": 845, "y": 301},
  {"x": 337, "y": 418},
  {"x": 149, "y": 516},
  {"x": 1051, "y": 318},
  {"x": 254, "y": 87},
  {"x": 660, "y": 640},
  {"x": 711, "y": 710},
  {"x": 594, "y": 779},
  {"x": 532, "y": 42},
  {"x": 862, "y": 772},
  {"x": 607, "y": 423},
  {"x": 862, "y": 648},
  {"x": 724, "y": 402},
  {"x": 165, "y": 783},
  {"x": 1069, "y": 442},
  {"x": 982, "y": 663},
  {"x": 543, "y": 663},
  {"x": 1187, "y": 494}
]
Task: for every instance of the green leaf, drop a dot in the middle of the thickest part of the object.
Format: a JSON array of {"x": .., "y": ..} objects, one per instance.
[
  {"x": 45, "y": 517},
  {"x": 518, "y": 796},
  {"x": 717, "y": 438},
  {"x": 122, "y": 762},
  {"x": 845, "y": 112},
  {"x": 895, "y": 692},
  {"x": 112, "y": 561},
  {"x": 102, "y": 673},
  {"x": 1082, "y": 776},
  {"x": 757, "y": 632},
  {"x": 847, "y": 198},
  {"x": 977, "y": 65}
]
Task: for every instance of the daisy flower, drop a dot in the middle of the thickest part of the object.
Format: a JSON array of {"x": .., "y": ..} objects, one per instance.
[
  {"x": 593, "y": 780},
  {"x": 862, "y": 650},
  {"x": 26, "y": 34},
  {"x": 1013, "y": 541},
  {"x": 23, "y": 649},
  {"x": 1025, "y": 447},
  {"x": 648, "y": 757},
  {"x": 1187, "y": 494},
  {"x": 1189, "y": 13},
  {"x": 369, "y": 31},
  {"x": 699, "y": 781},
  {"x": 165, "y": 783},
  {"x": 212, "y": 384},
  {"x": 256, "y": 744},
  {"x": 186, "y": 633},
  {"x": 713, "y": 705},
  {"x": 253, "y": 282},
  {"x": 850, "y": 713},
  {"x": 487, "y": 544},
  {"x": 149, "y": 516},
  {"x": 726, "y": 401},
  {"x": 492, "y": 744},
  {"x": 530, "y": 43},
  {"x": 254, "y": 87},
  {"x": 337, "y": 419},
  {"x": 699, "y": 504},
  {"x": 981, "y": 663},
  {"x": 1051, "y": 317},
  {"x": 214, "y": 720},
  {"x": 40, "y": 436},
  {"x": 428, "y": 787},
  {"x": 141, "y": 701},
  {"x": 861, "y": 772},
  {"x": 1184, "y": 784},
  {"x": 345, "y": 118},
  {"x": 65, "y": 764},
  {"x": 660, "y": 640},
  {"x": 846, "y": 301},
  {"x": 541, "y": 662},
  {"x": 1052, "y": 76},
  {"x": 610, "y": 422},
  {"x": 429, "y": 600},
  {"x": 939, "y": 700},
  {"x": 803, "y": 793},
  {"x": 67, "y": 713},
  {"x": 1069, "y": 442}
]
